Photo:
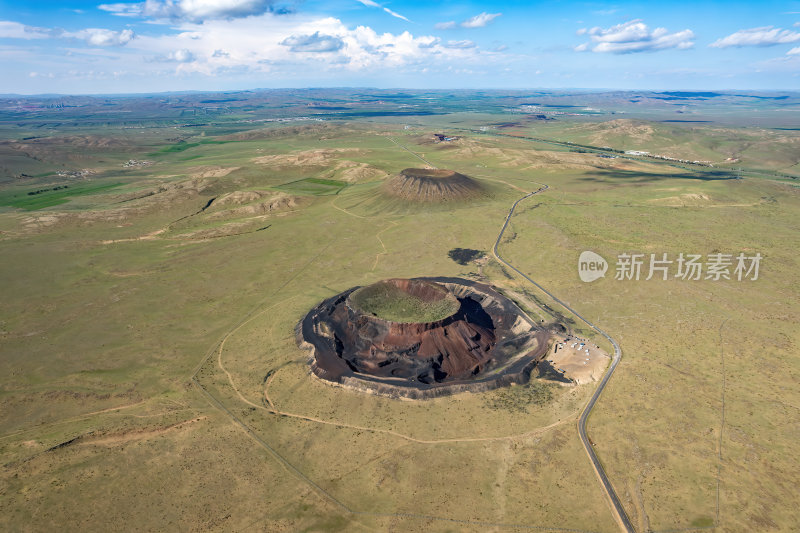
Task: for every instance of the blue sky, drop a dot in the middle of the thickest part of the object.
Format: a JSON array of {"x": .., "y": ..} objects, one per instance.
[{"x": 171, "y": 45}]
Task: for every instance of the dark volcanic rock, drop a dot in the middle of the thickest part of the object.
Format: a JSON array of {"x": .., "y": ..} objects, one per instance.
[{"x": 486, "y": 343}]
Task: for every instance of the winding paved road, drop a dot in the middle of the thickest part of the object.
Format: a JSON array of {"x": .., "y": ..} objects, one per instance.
[{"x": 619, "y": 511}]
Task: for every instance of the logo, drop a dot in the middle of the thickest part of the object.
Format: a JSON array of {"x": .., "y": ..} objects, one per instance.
[{"x": 591, "y": 266}]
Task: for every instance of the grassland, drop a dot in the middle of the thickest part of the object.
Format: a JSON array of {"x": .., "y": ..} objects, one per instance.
[
  {"x": 183, "y": 146},
  {"x": 32, "y": 200},
  {"x": 152, "y": 378},
  {"x": 388, "y": 302},
  {"x": 315, "y": 186}
]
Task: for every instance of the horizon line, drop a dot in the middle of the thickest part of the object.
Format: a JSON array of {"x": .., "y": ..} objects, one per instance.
[{"x": 372, "y": 88}]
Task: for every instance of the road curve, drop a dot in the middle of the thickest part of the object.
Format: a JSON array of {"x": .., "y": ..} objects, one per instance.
[{"x": 619, "y": 512}]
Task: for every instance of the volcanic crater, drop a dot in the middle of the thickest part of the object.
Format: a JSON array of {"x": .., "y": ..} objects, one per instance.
[
  {"x": 421, "y": 338},
  {"x": 433, "y": 185}
]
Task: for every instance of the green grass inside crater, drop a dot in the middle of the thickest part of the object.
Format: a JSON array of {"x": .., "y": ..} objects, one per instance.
[{"x": 389, "y": 302}]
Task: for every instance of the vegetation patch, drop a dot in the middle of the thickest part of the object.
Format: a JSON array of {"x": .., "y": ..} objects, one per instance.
[
  {"x": 390, "y": 302},
  {"x": 518, "y": 398},
  {"x": 183, "y": 145},
  {"x": 40, "y": 191},
  {"x": 703, "y": 521},
  {"x": 314, "y": 186},
  {"x": 179, "y": 147},
  {"x": 41, "y": 198}
]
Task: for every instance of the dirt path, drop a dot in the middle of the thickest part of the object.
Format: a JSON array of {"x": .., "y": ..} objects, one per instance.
[
  {"x": 507, "y": 184},
  {"x": 129, "y": 436},
  {"x": 377, "y": 235},
  {"x": 383, "y": 245},
  {"x": 274, "y": 410},
  {"x": 75, "y": 419},
  {"x": 345, "y": 211},
  {"x": 146, "y": 237},
  {"x": 722, "y": 418},
  {"x": 413, "y": 153}
]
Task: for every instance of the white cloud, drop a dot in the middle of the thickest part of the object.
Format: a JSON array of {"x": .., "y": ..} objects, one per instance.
[
  {"x": 794, "y": 51},
  {"x": 264, "y": 47},
  {"x": 764, "y": 36},
  {"x": 460, "y": 45},
  {"x": 371, "y": 3},
  {"x": 316, "y": 42},
  {"x": 14, "y": 30},
  {"x": 395, "y": 14},
  {"x": 429, "y": 44},
  {"x": 102, "y": 37},
  {"x": 479, "y": 21},
  {"x": 634, "y": 36},
  {"x": 181, "y": 56},
  {"x": 191, "y": 10},
  {"x": 123, "y": 10},
  {"x": 92, "y": 36},
  {"x": 270, "y": 43}
]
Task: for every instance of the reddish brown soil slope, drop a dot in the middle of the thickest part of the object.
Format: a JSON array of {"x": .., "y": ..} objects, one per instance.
[{"x": 486, "y": 343}]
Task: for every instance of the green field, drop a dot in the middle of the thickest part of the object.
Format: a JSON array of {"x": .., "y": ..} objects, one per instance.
[
  {"x": 40, "y": 198},
  {"x": 183, "y": 146},
  {"x": 150, "y": 374},
  {"x": 388, "y": 302},
  {"x": 314, "y": 186}
]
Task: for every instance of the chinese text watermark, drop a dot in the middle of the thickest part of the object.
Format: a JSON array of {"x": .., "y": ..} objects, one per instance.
[{"x": 635, "y": 266}]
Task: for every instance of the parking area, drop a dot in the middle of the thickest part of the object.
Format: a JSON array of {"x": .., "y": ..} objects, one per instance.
[{"x": 578, "y": 359}]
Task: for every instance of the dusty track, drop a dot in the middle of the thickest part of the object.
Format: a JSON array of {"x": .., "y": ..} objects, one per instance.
[
  {"x": 342, "y": 506},
  {"x": 413, "y": 153},
  {"x": 722, "y": 418},
  {"x": 392, "y": 224},
  {"x": 270, "y": 407}
]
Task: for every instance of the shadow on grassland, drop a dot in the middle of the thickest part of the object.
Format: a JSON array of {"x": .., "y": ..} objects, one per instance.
[{"x": 629, "y": 176}]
